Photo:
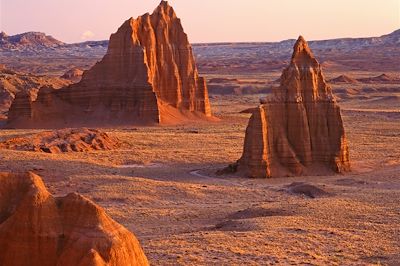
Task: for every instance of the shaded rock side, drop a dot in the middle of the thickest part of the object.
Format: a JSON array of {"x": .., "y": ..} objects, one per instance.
[
  {"x": 39, "y": 229},
  {"x": 149, "y": 63},
  {"x": 299, "y": 129}
]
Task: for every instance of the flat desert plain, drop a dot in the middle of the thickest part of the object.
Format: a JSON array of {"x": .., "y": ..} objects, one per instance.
[{"x": 161, "y": 183}]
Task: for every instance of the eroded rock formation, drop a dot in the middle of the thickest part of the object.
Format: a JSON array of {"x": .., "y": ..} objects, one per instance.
[
  {"x": 74, "y": 74},
  {"x": 147, "y": 76},
  {"x": 12, "y": 83},
  {"x": 64, "y": 140},
  {"x": 39, "y": 229},
  {"x": 343, "y": 79},
  {"x": 299, "y": 129}
]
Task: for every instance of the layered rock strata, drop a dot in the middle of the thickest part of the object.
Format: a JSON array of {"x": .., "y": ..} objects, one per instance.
[
  {"x": 39, "y": 229},
  {"x": 148, "y": 70},
  {"x": 299, "y": 129}
]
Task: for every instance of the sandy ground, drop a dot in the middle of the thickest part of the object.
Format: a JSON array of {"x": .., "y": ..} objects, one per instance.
[{"x": 161, "y": 185}]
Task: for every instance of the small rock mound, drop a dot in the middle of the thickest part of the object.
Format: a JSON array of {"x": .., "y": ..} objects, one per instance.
[
  {"x": 64, "y": 140},
  {"x": 344, "y": 79},
  {"x": 74, "y": 74},
  {"x": 384, "y": 78},
  {"x": 260, "y": 211},
  {"x": 311, "y": 191},
  {"x": 230, "y": 169},
  {"x": 39, "y": 229},
  {"x": 237, "y": 226}
]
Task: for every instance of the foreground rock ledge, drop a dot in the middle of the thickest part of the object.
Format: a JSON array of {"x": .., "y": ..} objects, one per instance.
[
  {"x": 148, "y": 76},
  {"x": 38, "y": 229},
  {"x": 299, "y": 129}
]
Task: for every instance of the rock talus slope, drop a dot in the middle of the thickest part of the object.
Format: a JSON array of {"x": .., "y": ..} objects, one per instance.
[
  {"x": 149, "y": 69},
  {"x": 298, "y": 130},
  {"x": 39, "y": 229}
]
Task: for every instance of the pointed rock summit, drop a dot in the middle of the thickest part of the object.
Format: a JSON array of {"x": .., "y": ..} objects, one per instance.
[
  {"x": 299, "y": 129},
  {"x": 148, "y": 76},
  {"x": 38, "y": 229},
  {"x": 301, "y": 50}
]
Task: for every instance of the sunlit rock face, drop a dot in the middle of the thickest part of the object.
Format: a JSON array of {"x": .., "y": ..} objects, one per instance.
[
  {"x": 148, "y": 75},
  {"x": 299, "y": 129},
  {"x": 38, "y": 229}
]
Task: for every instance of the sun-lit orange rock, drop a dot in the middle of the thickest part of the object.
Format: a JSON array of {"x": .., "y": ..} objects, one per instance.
[
  {"x": 299, "y": 129},
  {"x": 38, "y": 229},
  {"x": 148, "y": 75}
]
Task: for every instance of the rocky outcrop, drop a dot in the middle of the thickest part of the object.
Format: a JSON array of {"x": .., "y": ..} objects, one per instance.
[
  {"x": 149, "y": 64},
  {"x": 74, "y": 74},
  {"x": 12, "y": 83},
  {"x": 64, "y": 140},
  {"x": 298, "y": 130},
  {"x": 384, "y": 78},
  {"x": 39, "y": 229},
  {"x": 343, "y": 79}
]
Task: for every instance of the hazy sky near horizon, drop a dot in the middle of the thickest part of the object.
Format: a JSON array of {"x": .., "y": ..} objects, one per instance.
[{"x": 207, "y": 20}]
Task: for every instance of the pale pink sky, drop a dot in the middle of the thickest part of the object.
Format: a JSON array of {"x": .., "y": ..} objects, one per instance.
[{"x": 207, "y": 20}]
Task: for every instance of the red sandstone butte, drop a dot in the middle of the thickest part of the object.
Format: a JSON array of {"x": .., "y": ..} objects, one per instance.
[{"x": 148, "y": 76}]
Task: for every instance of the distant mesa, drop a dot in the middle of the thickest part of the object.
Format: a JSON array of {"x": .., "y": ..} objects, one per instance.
[
  {"x": 74, "y": 74},
  {"x": 39, "y": 229},
  {"x": 27, "y": 40},
  {"x": 64, "y": 140},
  {"x": 343, "y": 79},
  {"x": 148, "y": 76},
  {"x": 299, "y": 129}
]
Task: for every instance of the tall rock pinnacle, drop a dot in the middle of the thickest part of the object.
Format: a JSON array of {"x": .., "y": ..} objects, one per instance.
[{"x": 299, "y": 130}]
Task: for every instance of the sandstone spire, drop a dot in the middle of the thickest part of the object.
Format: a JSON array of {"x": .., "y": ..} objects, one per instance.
[
  {"x": 39, "y": 229},
  {"x": 299, "y": 130},
  {"x": 301, "y": 49},
  {"x": 148, "y": 75}
]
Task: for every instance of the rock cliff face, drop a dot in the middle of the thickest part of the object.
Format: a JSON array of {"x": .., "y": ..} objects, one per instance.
[
  {"x": 298, "y": 130},
  {"x": 38, "y": 229},
  {"x": 149, "y": 64}
]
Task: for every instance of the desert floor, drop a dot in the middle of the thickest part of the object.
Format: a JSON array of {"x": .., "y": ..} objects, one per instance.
[{"x": 161, "y": 184}]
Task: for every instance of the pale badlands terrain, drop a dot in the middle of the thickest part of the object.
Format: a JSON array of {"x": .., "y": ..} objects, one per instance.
[{"x": 161, "y": 184}]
